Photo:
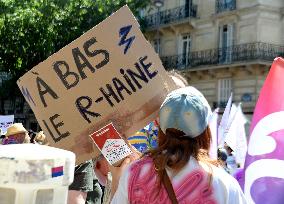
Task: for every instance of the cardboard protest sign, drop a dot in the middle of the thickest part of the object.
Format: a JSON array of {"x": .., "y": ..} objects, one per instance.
[
  {"x": 109, "y": 74},
  {"x": 5, "y": 122},
  {"x": 111, "y": 145}
]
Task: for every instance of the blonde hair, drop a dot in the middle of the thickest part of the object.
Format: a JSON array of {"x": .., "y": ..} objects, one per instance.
[
  {"x": 41, "y": 138},
  {"x": 178, "y": 78}
]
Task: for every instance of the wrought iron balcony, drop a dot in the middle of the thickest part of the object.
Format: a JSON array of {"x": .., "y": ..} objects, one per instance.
[
  {"x": 228, "y": 55},
  {"x": 219, "y": 104},
  {"x": 170, "y": 16},
  {"x": 225, "y": 5}
]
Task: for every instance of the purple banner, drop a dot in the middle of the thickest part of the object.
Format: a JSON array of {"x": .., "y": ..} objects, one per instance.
[{"x": 264, "y": 167}]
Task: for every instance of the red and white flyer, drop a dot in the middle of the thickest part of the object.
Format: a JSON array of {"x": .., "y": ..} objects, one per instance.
[{"x": 111, "y": 145}]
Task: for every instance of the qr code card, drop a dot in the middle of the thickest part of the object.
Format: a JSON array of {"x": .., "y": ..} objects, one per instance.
[{"x": 111, "y": 145}]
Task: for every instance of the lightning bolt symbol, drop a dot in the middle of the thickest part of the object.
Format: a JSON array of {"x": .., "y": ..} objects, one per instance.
[{"x": 123, "y": 32}]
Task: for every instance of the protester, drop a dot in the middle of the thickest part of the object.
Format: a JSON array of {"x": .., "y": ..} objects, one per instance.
[
  {"x": 40, "y": 138},
  {"x": 143, "y": 140},
  {"x": 32, "y": 135},
  {"x": 16, "y": 134},
  {"x": 101, "y": 170},
  {"x": 95, "y": 196},
  {"x": 222, "y": 157},
  {"x": 85, "y": 182},
  {"x": 1, "y": 137},
  {"x": 231, "y": 159},
  {"x": 146, "y": 138},
  {"x": 179, "y": 170}
]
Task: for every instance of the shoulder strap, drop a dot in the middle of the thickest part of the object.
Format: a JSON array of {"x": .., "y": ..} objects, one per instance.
[
  {"x": 169, "y": 187},
  {"x": 163, "y": 175}
]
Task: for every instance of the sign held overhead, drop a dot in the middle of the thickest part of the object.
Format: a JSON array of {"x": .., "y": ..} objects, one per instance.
[{"x": 109, "y": 74}]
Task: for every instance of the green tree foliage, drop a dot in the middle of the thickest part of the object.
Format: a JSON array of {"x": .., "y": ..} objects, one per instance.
[{"x": 32, "y": 30}]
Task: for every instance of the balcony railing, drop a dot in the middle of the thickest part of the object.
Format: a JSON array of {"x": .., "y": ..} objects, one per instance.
[
  {"x": 225, "y": 5},
  {"x": 170, "y": 16},
  {"x": 229, "y": 55},
  {"x": 219, "y": 104}
]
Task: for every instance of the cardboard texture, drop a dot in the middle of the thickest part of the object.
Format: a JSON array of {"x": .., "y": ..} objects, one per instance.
[{"x": 109, "y": 74}]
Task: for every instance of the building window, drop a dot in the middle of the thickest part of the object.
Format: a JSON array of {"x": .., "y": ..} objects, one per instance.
[
  {"x": 7, "y": 195},
  {"x": 142, "y": 13},
  {"x": 156, "y": 44},
  {"x": 225, "y": 5},
  {"x": 185, "y": 49},
  {"x": 187, "y": 7},
  {"x": 224, "y": 91},
  {"x": 226, "y": 41},
  {"x": 19, "y": 105}
]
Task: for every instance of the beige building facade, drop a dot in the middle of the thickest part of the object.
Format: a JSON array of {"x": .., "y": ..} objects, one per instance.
[{"x": 221, "y": 46}]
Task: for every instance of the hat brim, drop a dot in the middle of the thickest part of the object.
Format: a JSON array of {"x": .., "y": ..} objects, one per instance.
[{"x": 14, "y": 133}]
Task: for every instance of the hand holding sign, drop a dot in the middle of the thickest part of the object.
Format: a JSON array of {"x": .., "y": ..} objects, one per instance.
[{"x": 111, "y": 145}]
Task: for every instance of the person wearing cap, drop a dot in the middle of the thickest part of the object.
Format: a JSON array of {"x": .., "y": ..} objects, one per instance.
[
  {"x": 143, "y": 140},
  {"x": 146, "y": 138},
  {"x": 16, "y": 134},
  {"x": 179, "y": 170}
]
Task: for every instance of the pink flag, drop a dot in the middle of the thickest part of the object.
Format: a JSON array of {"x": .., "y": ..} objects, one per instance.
[{"x": 264, "y": 166}]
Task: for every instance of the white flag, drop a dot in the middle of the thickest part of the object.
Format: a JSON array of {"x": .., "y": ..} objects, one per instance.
[
  {"x": 213, "y": 123},
  {"x": 224, "y": 122},
  {"x": 236, "y": 136},
  {"x": 232, "y": 115}
]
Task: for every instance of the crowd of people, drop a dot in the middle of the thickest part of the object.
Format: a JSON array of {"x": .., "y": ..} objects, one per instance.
[
  {"x": 85, "y": 187},
  {"x": 171, "y": 166}
]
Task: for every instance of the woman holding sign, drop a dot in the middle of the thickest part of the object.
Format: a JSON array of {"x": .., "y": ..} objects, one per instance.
[{"x": 179, "y": 170}]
